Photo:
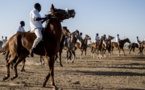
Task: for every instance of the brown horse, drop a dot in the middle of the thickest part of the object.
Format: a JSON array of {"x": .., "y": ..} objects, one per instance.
[
  {"x": 20, "y": 44},
  {"x": 83, "y": 47},
  {"x": 142, "y": 46},
  {"x": 120, "y": 46},
  {"x": 94, "y": 46},
  {"x": 132, "y": 47},
  {"x": 98, "y": 48}
]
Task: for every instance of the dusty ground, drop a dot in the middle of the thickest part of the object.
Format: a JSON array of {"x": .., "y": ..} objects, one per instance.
[{"x": 116, "y": 73}]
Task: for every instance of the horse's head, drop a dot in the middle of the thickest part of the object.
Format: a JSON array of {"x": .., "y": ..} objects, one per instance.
[
  {"x": 127, "y": 40},
  {"x": 65, "y": 31},
  {"x": 61, "y": 14},
  {"x": 103, "y": 37},
  {"x": 88, "y": 37},
  {"x": 110, "y": 37}
]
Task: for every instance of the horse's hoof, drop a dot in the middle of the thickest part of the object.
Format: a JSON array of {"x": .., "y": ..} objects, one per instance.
[
  {"x": 55, "y": 87},
  {"x": 23, "y": 70},
  {"x": 5, "y": 78},
  {"x": 44, "y": 85},
  {"x": 61, "y": 65},
  {"x": 13, "y": 77}
]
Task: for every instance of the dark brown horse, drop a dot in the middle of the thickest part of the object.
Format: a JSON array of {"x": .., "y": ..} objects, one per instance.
[
  {"x": 108, "y": 44},
  {"x": 63, "y": 43},
  {"x": 120, "y": 46},
  {"x": 20, "y": 44},
  {"x": 132, "y": 47},
  {"x": 83, "y": 47}
]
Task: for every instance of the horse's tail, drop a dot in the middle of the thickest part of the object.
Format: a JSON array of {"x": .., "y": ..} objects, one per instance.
[{"x": 5, "y": 47}]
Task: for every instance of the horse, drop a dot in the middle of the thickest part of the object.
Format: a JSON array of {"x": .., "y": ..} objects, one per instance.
[
  {"x": 132, "y": 47},
  {"x": 83, "y": 45},
  {"x": 71, "y": 40},
  {"x": 142, "y": 46},
  {"x": 108, "y": 44},
  {"x": 94, "y": 47},
  {"x": 20, "y": 44},
  {"x": 120, "y": 46},
  {"x": 98, "y": 47},
  {"x": 63, "y": 43}
]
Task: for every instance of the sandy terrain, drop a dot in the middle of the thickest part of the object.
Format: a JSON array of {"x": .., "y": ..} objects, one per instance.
[{"x": 116, "y": 73}]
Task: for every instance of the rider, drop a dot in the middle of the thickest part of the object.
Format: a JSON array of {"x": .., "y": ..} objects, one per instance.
[
  {"x": 97, "y": 38},
  {"x": 36, "y": 25},
  {"x": 66, "y": 36},
  {"x": 21, "y": 27},
  {"x": 104, "y": 41},
  {"x": 138, "y": 41},
  {"x": 117, "y": 39},
  {"x": 81, "y": 39}
]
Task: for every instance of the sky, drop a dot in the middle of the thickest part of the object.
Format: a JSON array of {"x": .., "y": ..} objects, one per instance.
[{"x": 110, "y": 17}]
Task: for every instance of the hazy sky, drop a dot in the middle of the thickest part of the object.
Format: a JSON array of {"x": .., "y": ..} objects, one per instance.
[{"x": 110, "y": 17}]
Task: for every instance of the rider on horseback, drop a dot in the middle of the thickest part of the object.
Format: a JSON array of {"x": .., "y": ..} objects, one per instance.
[
  {"x": 117, "y": 39},
  {"x": 21, "y": 27},
  {"x": 97, "y": 38},
  {"x": 137, "y": 40},
  {"x": 36, "y": 25}
]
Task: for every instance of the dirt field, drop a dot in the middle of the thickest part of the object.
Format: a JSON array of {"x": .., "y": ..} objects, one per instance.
[{"x": 116, "y": 73}]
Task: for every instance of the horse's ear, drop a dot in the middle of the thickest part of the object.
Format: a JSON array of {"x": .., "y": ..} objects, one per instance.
[
  {"x": 52, "y": 6},
  {"x": 52, "y": 9}
]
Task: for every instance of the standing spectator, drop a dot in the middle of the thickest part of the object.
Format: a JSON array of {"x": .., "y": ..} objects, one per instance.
[{"x": 4, "y": 40}]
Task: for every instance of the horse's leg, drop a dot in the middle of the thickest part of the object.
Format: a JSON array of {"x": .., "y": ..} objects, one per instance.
[
  {"x": 60, "y": 59},
  {"x": 73, "y": 53},
  {"x": 92, "y": 51},
  {"x": 119, "y": 51},
  {"x": 86, "y": 53},
  {"x": 97, "y": 53},
  {"x": 24, "y": 53},
  {"x": 50, "y": 62},
  {"x": 8, "y": 71},
  {"x": 134, "y": 51},
  {"x": 130, "y": 50},
  {"x": 42, "y": 61},
  {"x": 123, "y": 51},
  {"x": 23, "y": 65},
  {"x": 109, "y": 51},
  {"x": 12, "y": 58},
  {"x": 15, "y": 68},
  {"x": 67, "y": 55},
  {"x": 112, "y": 50},
  {"x": 81, "y": 54}
]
